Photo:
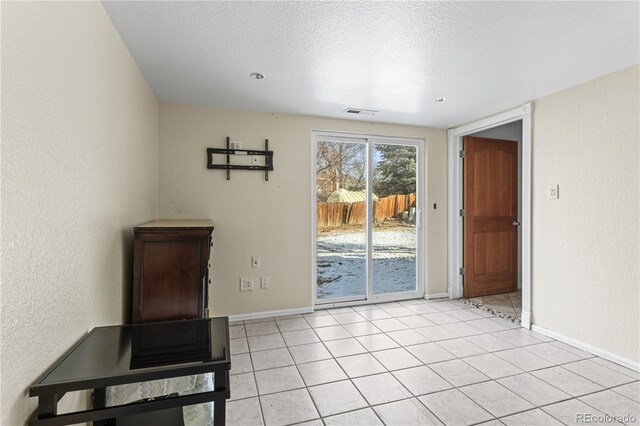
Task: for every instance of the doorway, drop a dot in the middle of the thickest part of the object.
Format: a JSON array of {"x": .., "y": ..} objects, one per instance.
[
  {"x": 367, "y": 218},
  {"x": 489, "y": 128},
  {"x": 490, "y": 216},
  {"x": 491, "y": 221}
]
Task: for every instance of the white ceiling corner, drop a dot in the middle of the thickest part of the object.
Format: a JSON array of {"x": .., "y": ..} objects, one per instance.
[{"x": 319, "y": 58}]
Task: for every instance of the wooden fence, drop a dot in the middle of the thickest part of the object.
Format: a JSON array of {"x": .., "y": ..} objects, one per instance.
[{"x": 332, "y": 215}]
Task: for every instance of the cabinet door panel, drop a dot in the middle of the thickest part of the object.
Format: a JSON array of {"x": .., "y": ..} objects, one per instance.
[{"x": 171, "y": 282}]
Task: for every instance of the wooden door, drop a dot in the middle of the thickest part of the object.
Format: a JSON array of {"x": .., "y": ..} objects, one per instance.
[{"x": 491, "y": 216}]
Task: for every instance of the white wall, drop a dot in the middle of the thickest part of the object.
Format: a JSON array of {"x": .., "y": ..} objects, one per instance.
[
  {"x": 586, "y": 269},
  {"x": 271, "y": 219},
  {"x": 79, "y": 169},
  {"x": 511, "y": 132}
]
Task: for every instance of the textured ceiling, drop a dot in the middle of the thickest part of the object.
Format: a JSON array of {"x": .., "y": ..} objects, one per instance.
[{"x": 395, "y": 57}]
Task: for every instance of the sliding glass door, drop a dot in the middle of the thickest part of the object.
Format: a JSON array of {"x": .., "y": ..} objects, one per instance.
[
  {"x": 341, "y": 238},
  {"x": 394, "y": 231},
  {"x": 367, "y": 211}
]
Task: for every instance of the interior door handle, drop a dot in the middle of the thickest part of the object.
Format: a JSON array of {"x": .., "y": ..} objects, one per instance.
[{"x": 515, "y": 223}]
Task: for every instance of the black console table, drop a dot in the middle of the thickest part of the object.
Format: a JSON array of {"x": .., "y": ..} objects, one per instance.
[{"x": 124, "y": 354}]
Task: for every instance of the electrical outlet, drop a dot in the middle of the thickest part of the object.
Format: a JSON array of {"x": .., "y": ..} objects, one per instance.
[
  {"x": 246, "y": 284},
  {"x": 255, "y": 262},
  {"x": 235, "y": 145},
  {"x": 552, "y": 192},
  {"x": 264, "y": 282}
]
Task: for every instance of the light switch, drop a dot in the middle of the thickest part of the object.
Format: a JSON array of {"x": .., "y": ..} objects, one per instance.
[
  {"x": 552, "y": 192},
  {"x": 264, "y": 282}
]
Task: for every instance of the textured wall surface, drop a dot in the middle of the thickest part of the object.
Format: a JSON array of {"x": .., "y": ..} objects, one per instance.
[
  {"x": 585, "y": 269},
  {"x": 79, "y": 169},
  {"x": 271, "y": 219}
]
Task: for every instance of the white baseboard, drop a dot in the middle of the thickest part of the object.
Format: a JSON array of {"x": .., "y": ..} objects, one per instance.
[
  {"x": 634, "y": 365},
  {"x": 435, "y": 296},
  {"x": 267, "y": 314}
]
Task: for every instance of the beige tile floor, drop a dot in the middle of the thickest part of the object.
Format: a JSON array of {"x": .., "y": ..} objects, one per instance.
[
  {"x": 416, "y": 362},
  {"x": 507, "y": 305}
]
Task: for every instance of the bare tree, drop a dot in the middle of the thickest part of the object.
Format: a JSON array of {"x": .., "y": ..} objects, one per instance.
[{"x": 339, "y": 165}]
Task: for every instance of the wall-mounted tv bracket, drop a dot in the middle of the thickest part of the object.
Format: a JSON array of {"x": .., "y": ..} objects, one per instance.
[{"x": 268, "y": 162}]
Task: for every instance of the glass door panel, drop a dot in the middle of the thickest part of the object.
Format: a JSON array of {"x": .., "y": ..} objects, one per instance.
[
  {"x": 395, "y": 213},
  {"x": 341, "y": 225}
]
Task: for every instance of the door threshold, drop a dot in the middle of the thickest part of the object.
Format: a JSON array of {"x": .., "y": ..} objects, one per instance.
[
  {"x": 373, "y": 301},
  {"x": 503, "y": 305}
]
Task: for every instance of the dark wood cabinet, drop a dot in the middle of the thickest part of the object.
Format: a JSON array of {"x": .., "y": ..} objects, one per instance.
[{"x": 171, "y": 270}]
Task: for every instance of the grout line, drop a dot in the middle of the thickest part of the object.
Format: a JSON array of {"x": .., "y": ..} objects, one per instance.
[
  {"x": 255, "y": 380},
  {"x": 536, "y": 408},
  {"x": 571, "y": 397},
  {"x": 387, "y": 371},
  {"x": 597, "y": 409},
  {"x": 306, "y": 388},
  {"x": 436, "y": 342},
  {"x": 350, "y": 379},
  {"x": 347, "y": 375},
  {"x": 636, "y": 377}
]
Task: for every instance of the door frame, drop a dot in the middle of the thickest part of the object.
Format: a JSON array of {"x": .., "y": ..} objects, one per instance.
[
  {"x": 455, "y": 192},
  {"x": 421, "y": 218}
]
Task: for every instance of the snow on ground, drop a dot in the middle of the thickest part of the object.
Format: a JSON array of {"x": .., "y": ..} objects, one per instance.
[{"x": 342, "y": 262}]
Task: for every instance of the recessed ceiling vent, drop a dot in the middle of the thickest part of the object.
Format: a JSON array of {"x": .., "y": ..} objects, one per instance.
[{"x": 360, "y": 111}]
